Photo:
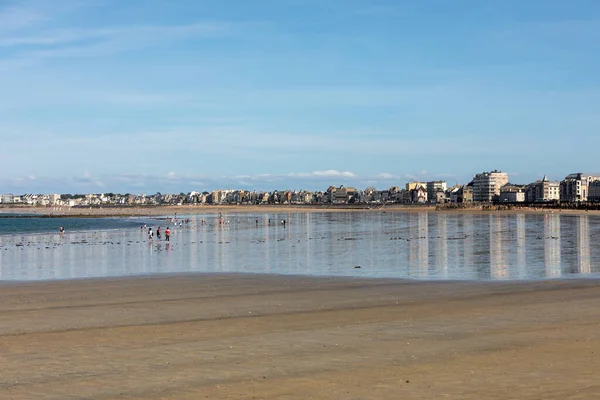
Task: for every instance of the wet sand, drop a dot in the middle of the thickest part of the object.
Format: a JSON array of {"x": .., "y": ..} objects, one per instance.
[{"x": 277, "y": 337}]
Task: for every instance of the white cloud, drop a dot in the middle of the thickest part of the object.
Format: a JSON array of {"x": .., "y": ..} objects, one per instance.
[
  {"x": 330, "y": 173},
  {"x": 386, "y": 175}
]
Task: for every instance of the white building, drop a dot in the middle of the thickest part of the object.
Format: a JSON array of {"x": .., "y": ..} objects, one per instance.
[
  {"x": 575, "y": 187},
  {"x": 6, "y": 198},
  {"x": 487, "y": 185}
]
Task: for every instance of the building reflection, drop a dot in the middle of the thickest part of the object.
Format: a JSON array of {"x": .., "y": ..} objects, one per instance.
[
  {"x": 552, "y": 242},
  {"x": 418, "y": 248},
  {"x": 520, "y": 238},
  {"x": 499, "y": 251},
  {"x": 583, "y": 244},
  {"x": 468, "y": 245},
  {"x": 481, "y": 248},
  {"x": 440, "y": 262}
]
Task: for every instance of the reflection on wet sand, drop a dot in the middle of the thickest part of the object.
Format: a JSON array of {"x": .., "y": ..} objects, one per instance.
[
  {"x": 414, "y": 245},
  {"x": 520, "y": 238},
  {"x": 552, "y": 245},
  {"x": 419, "y": 245},
  {"x": 499, "y": 253},
  {"x": 583, "y": 244}
]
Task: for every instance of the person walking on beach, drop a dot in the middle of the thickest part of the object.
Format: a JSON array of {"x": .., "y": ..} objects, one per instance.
[
  {"x": 150, "y": 234},
  {"x": 158, "y": 232},
  {"x": 167, "y": 234}
]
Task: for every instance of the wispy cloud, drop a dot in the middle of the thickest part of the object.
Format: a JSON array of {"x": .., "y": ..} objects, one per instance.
[
  {"x": 30, "y": 15},
  {"x": 99, "y": 42},
  {"x": 18, "y": 17},
  {"x": 377, "y": 10},
  {"x": 330, "y": 173},
  {"x": 386, "y": 176},
  {"x": 137, "y": 33}
]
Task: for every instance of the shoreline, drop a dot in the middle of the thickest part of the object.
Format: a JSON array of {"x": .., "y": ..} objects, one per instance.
[
  {"x": 271, "y": 337},
  {"x": 156, "y": 211},
  {"x": 274, "y": 275}
]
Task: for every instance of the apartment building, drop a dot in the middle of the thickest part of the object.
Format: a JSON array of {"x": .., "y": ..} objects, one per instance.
[
  {"x": 343, "y": 194},
  {"x": 6, "y": 198},
  {"x": 413, "y": 185},
  {"x": 512, "y": 194},
  {"x": 575, "y": 187},
  {"x": 433, "y": 187},
  {"x": 594, "y": 191},
  {"x": 487, "y": 185},
  {"x": 543, "y": 191}
]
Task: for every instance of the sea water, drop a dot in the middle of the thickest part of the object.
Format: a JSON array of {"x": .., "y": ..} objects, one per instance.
[
  {"x": 425, "y": 245},
  {"x": 30, "y": 223}
]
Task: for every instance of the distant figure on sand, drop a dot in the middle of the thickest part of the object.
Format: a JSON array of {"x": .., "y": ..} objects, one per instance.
[
  {"x": 158, "y": 232},
  {"x": 167, "y": 234},
  {"x": 150, "y": 234},
  {"x": 61, "y": 230}
]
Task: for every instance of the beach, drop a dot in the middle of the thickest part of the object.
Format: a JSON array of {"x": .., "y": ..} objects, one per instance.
[{"x": 236, "y": 336}]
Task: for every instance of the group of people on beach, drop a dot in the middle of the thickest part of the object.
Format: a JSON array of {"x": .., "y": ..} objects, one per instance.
[{"x": 158, "y": 234}]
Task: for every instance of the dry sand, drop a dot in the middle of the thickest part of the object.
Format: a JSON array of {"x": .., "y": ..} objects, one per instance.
[{"x": 273, "y": 337}]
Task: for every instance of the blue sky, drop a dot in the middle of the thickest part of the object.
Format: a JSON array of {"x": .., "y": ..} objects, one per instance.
[{"x": 170, "y": 96}]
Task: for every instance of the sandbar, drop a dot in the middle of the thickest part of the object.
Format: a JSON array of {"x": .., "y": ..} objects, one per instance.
[{"x": 236, "y": 336}]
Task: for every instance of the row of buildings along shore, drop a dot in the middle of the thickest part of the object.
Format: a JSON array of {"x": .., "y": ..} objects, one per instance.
[{"x": 486, "y": 187}]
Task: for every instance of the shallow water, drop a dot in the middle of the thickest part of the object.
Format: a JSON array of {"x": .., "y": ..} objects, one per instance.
[
  {"x": 11, "y": 224},
  {"x": 399, "y": 245}
]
